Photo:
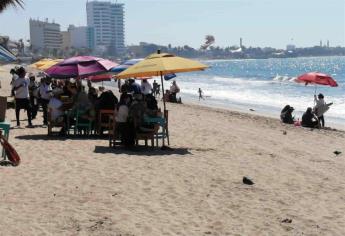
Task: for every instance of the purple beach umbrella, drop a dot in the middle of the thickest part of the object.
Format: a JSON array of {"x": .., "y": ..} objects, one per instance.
[{"x": 80, "y": 67}]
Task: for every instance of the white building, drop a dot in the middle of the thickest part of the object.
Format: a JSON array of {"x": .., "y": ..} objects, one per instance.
[
  {"x": 290, "y": 47},
  {"x": 107, "y": 20},
  {"x": 81, "y": 37},
  {"x": 45, "y": 35}
]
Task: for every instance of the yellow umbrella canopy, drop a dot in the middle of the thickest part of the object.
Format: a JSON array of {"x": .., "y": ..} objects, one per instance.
[
  {"x": 159, "y": 64},
  {"x": 45, "y": 63}
]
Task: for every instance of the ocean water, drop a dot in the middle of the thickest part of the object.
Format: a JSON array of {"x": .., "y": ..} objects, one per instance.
[{"x": 266, "y": 85}]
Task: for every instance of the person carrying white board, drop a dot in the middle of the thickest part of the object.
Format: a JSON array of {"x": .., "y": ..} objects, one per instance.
[{"x": 321, "y": 108}]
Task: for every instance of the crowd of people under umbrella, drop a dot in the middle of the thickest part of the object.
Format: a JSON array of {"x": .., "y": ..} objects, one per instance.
[{"x": 62, "y": 99}]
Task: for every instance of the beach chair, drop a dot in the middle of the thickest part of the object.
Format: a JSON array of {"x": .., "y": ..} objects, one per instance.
[
  {"x": 163, "y": 132},
  {"x": 103, "y": 120},
  {"x": 52, "y": 124}
]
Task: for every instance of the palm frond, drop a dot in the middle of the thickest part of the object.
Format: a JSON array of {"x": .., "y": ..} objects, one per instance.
[{"x": 6, "y": 3}]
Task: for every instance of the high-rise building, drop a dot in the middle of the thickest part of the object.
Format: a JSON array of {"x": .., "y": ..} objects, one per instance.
[
  {"x": 45, "y": 35},
  {"x": 107, "y": 20},
  {"x": 66, "y": 40},
  {"x": 81, "y": 37}
]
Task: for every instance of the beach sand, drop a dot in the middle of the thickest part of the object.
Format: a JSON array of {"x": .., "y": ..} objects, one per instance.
[{"x": 79, "y": 186}]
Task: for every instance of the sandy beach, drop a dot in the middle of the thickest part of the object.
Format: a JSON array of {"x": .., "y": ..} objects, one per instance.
[{"x": 80, "y": 186}]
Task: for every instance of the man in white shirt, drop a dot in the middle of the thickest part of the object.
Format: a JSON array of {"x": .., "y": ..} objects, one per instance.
[
  {"x": 146, "y": 87},
  {"x": 174, "y": 89},
  {"x": 21, "y": 88},
  {"x": 45, "y": 95}
]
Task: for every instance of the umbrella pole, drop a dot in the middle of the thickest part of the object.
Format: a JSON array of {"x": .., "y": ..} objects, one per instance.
[
  {"x": 164, "y": 129},
  {"x": 163, "y": 91}
]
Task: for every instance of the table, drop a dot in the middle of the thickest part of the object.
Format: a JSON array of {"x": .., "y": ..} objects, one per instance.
[{"x": 5, "y": 126}]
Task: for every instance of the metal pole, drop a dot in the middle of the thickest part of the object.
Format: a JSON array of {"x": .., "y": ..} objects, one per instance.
[
  {"x": 164, "y": 130},
  {"x": 163, "y": 90}
]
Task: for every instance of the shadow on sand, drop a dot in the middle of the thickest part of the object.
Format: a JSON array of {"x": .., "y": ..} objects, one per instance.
[
  {"x": 143, "y": 151},
  {"x": 57, "y": 137}
]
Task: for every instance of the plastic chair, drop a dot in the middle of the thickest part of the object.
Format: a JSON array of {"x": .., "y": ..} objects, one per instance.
[
  {"x": 114, "y": 138},
  {"x": 52, "y": 124},
  {"x": 141, "y": 135},
  {"x": 82, "y": 124},
  {"x": 164, "y": 131},
  {"x": 102, "y": 116}
]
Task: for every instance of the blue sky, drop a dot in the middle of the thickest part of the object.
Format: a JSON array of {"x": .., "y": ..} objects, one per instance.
[{"x": 180, "y": 22}]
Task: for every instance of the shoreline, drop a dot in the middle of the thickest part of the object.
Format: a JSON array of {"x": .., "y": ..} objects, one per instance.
[{"x": 255, "y": 112}]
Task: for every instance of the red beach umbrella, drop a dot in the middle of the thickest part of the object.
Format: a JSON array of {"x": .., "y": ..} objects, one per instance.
[
  {"x": 100, "y": 78},
  {"x": 317, "y": 79}
]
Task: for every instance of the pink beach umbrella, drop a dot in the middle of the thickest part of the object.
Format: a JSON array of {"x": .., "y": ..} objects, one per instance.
[{"x": 80, "y": 67}]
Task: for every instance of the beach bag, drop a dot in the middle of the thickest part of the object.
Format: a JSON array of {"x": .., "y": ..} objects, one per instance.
[{"x": 11, "y": 153}]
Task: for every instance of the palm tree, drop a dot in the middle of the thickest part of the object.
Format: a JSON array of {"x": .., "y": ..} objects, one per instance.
[{"x": 5, "y": 3}]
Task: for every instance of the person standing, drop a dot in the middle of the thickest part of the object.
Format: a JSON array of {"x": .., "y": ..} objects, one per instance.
[
  {"x": 45, "y": 95},
  {"x": 33, "y": 92},
  {"x": 155, "y": 87},
  {"x": 21, "y": 90},
  {"x": 134, "y": 87},
  {"x": 201, "y": 94},
  {"x": 13, "y": 72},
  {"x": 174, "y": 89},
  {"x": 146, "y": 87},
  {"x": 321, "y": 108}
]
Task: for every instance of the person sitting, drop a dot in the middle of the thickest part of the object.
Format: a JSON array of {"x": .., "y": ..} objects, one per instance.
[
  {"x": 137, "y": 110},
  {"x": 151, "y": 105},
  {"x": 123, "y": 128},
  {"x": 107, "y": 101},
  {"x": 82, "y": 104},
  {"x": 174, "y": 90},
  {"x": 286, "y": 115},
  {"x": 309, "y": 119},
  {"x": 92, "y": 94},
  {"x": 125, "y": 88},
  {"x": 55, "y": 106},
  {"x": 155, "y": 88}
]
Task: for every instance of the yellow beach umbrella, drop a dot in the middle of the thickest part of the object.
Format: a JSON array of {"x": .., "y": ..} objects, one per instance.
[
  {"x": 159, "y": 64},
  {"x": 45, "y": 63}
]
